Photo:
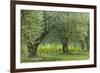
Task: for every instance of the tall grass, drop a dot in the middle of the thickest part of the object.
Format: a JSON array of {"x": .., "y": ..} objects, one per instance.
[
  {"x": 50, "y": 49},
  {"x": 57, "y": 49}
]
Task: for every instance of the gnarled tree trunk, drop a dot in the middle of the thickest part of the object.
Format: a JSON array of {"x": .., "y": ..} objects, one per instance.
[
  {"x": 64, "y": 42},
  {"x": 32, "y": 48}
]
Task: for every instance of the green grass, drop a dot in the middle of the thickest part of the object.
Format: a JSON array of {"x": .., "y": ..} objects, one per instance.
[{"x": 54, "y": 53}]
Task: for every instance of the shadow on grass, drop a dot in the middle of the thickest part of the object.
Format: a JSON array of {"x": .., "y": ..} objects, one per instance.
[{"x": 58, "y": 57}]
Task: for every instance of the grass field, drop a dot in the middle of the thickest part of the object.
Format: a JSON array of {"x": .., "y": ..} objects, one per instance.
[{"x": 54, "y": 53}]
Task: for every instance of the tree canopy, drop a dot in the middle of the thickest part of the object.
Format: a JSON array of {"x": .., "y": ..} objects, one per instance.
[{"x": 40, "y": 27}]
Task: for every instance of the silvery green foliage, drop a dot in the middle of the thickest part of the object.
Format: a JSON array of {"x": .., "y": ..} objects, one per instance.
[{"x": 71, "y": 25}]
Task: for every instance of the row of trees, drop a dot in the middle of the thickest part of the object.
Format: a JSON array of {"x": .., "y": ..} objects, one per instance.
[{"x": 54, "y": 26}]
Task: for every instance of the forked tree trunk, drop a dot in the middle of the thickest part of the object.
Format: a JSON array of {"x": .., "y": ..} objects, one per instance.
[{"x": 32, "y": 48}]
